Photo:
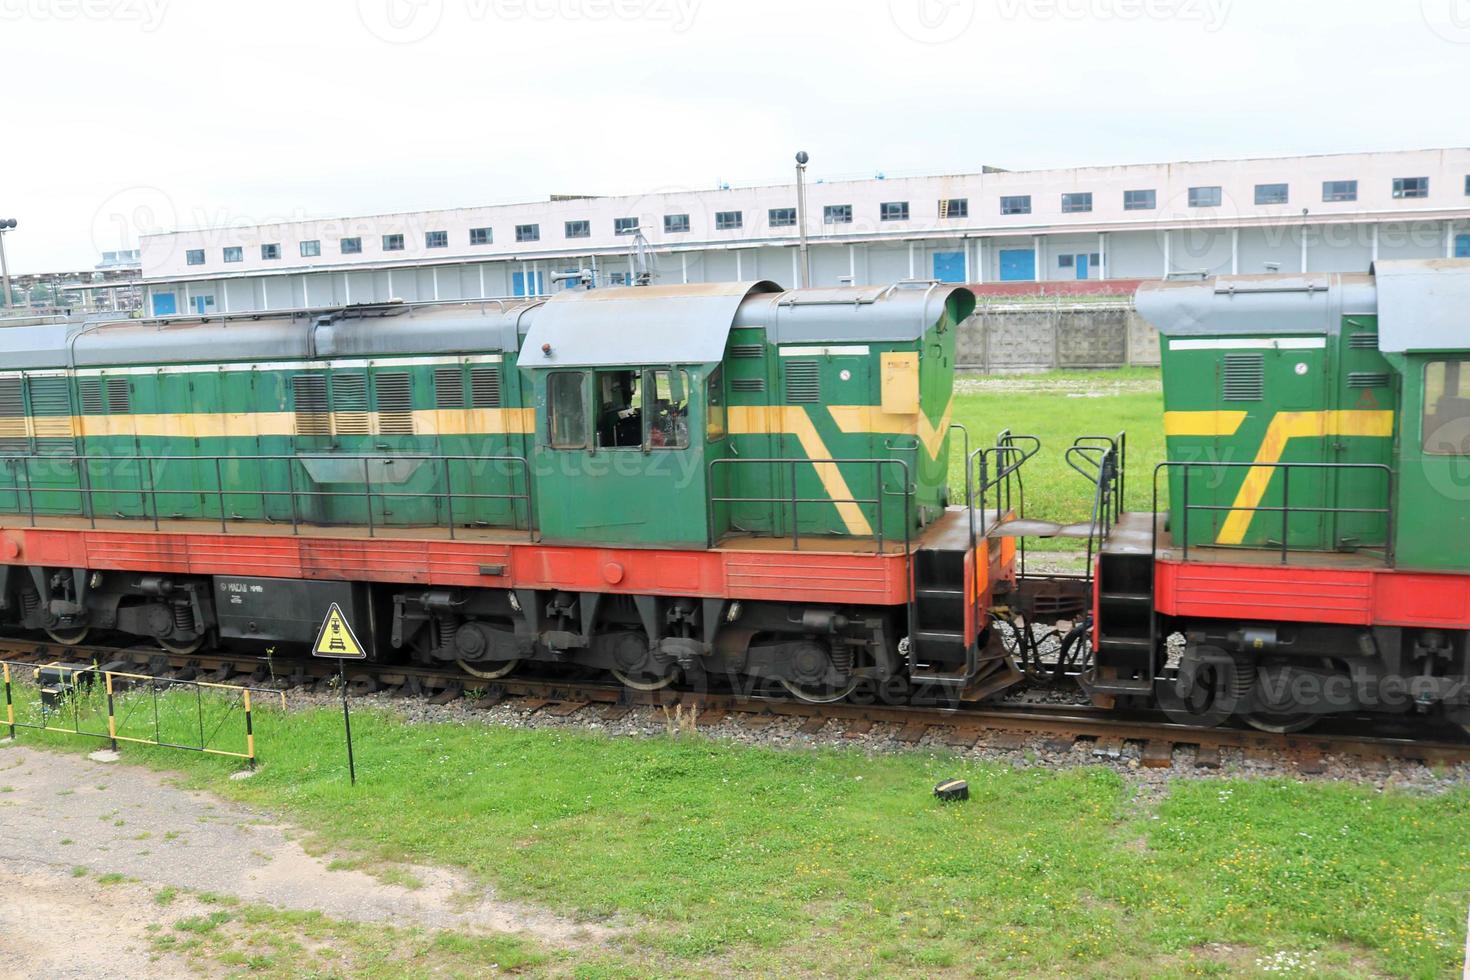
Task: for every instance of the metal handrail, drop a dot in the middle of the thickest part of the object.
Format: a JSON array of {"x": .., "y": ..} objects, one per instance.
[
  {"x": 1007, "y": 456},
  {"x": 148, "y": 489},
  {"x": 1285, "y": 509}
]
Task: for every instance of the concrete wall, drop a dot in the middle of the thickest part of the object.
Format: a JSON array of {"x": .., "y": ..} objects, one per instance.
[{"x": 1040, "y": 338}]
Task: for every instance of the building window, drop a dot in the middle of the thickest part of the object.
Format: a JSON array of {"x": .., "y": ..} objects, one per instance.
[
  {"x": 837, "y": 214},
  {"x": 894, "y": 211},
  {"x": 1077, "y": 203},
  {"x": 528, "y": 233},
  {"x": 625, "y": 226},
  {"x": 436, "y": 239},
  {"x": 481, "y": 236},
  {"x": 271, "y": 251},
  {"x": 311, "y": 249},
  {"x": 1339, "y": 190},
  {"x": 1204, "y": 197},
  {"x": 1065, "y": 261},
  {"x": 729, "y": 220},
  {"x": 1019, "y": 204},
  {"x": 234, "y": 253},
  {"x": 195, "y": 256},
  {"x": 781, "y": 217},
  {"x": 675, "y": 223},
  {"x": 392, "y": 243},
  {"x": 1272, "y": 194},
  {"x": 1140, "y": 200},
  {"x": 954, "y": 207},
  {"x": 579, "y": 229},
  {"x": 351, "y": 246},
  {"x": 1410, "y": 187},
  {"x": 1467, "y": 185}
]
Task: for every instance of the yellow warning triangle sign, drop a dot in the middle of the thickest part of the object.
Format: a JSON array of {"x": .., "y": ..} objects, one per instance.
[{"x": 336, "y": 638}]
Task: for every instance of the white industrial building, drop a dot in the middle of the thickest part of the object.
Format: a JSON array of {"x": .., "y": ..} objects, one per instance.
[{"x": 1320, "y": 213}]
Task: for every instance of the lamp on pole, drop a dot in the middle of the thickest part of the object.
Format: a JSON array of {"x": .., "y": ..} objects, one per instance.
[
  {"x": 5, "y": 225},
  {"x": 806, "y": 264}
]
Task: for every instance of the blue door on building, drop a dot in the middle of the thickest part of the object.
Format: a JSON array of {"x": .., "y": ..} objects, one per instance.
[
  {"x": 949, "y": 266},
  {"x": 519, "y": 281},
  {"x": 1462, "y": 246},
  {"x": 165, "y": 304},
  {"x": 1017, "y": 265},
  {"x": 1081, "y": 267}
]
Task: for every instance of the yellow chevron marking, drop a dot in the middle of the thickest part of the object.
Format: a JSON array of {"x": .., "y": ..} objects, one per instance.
[
  {"x": 793, "y": 420},
  {"x": 213, "y": 425},
  {"x": 1284, "y": 427},
  {"x": 856, "y": 419},
  {"x": 1202, "y": 423}
]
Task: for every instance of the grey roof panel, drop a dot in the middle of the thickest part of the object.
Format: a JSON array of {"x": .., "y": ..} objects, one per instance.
[
  {"x": 1423, "y": 304},
  {"x": 438, "y": 329},
  {"x": 900, "y": 312},
  {"x": 1259, "y": 305},
  {"x": 684, "y": 324}
]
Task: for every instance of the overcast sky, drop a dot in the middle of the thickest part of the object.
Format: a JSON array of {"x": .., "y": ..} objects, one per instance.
[{"x": 129, "y": 114}]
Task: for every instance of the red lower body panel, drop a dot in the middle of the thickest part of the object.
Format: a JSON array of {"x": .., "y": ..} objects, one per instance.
[
  {"x": 1306, "y": 594},
  {"x": 813, "y": 576}
]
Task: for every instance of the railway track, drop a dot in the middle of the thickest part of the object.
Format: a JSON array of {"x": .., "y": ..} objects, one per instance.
[{"x": 1154, "y": 738}]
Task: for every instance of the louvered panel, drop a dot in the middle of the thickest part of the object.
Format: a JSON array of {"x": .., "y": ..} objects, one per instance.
[
  {"x": 350, "y": 405},
  {"x": 395, "y": 404},
  {"x": 13, "y": 434},
  {"x": 1244, "y": 378},
  {"x": 119, "y": 396},
  {"x": 449, "y": 388},
  {"x": 1363, "y": 341},
  {"x": 485, "y": 387},
  {"x": 312, "y": 418},
  {"x": 1368, "y": 379},
  {"x": 803, "y": 382},
  {"x": 90, "y": 390},
  {"x": 747, "y": 350},
  {"x": 747, "y": 384},
  {"x": 51, "y": 408}
]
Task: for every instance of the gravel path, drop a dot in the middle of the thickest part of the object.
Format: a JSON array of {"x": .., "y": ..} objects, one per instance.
[{"x": 60, "y": 812}]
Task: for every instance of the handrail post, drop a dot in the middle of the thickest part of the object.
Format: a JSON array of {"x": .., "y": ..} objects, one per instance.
[
  {"x": 1285, "y": 508},
  {"x": 1185, "y": 530},
  {"x": 30, "y": 491},
  {"x": 448, "y": 498},
  {"x": 795, "y": 534},
  {"x": 152, "y": 491},
  {"x": 219, "y": 484},
  {"x": 367, "y": 493},
  {"x": 291, "y": 485}
]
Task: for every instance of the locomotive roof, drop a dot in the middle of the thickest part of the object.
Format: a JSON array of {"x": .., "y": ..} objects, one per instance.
[
  {"x": 1423, "y": 304},
  {"x": 1275, "y": 304},
  {"x": 900, "y": 312},
  {"x": 684, "y": 324},
  {"x": 362, "y": 331}
]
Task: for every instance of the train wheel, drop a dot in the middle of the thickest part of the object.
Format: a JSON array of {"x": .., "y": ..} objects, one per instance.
[
  {"x": 494, "y": 674},
  {"x": 639, "y": 682},
  {"x": 71, "y": 637},
  {"x": 1281, "y": 724},
  {"x": 819, "y": 695},
  {"x": 182, "y": 649}
]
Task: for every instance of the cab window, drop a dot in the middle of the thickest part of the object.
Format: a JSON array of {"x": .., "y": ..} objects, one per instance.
[
  {"x": 567, "y": 410},
  {"x": 619, "y": 409},
  {"x": 1447, "y": 408},
  {"x": 714, "y": 424},
  {"x": 666, "y": 403}
]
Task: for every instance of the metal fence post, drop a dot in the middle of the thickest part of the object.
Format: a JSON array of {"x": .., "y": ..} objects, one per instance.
[
  {"x": 9, "y": 703},
  {"x": 111, "y": 712}
]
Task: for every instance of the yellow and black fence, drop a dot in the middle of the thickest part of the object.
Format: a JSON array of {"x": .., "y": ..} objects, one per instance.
[{"x": 119, "y": 706}]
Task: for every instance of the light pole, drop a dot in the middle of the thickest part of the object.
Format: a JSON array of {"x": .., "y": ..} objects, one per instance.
[
  {"x": 5, "y": 225},
  {"x": 806, "y": 265}
]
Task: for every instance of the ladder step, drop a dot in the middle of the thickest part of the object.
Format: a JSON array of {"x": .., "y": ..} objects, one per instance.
[
  {"x": 948, "y": 593},
  {"x": 1125, "y": 643},
  {"x": 939, "y": 636},
  {"x": 1132, "y": 598}
]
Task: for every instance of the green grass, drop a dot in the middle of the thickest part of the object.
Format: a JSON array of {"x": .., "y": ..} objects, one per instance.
[
  {"x": 1057, "y": 407},
  {"x": 715, "y": 857}
]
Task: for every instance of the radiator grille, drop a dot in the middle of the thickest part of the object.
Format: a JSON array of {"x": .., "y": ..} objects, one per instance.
[
  {"x": 350, "y": 405},
  {"x": 1363, "y": 341},
  {"x": 90, "y": 390},
  {"x": 803, "y": 383},
  {"x": 1244, "y": 378},
  {"x": 395, "y": 404},
  {"x": 1368, "y": 379},
  {"x": 448, "y": 388},
  {"x": 747, "y": 350},
  {"x": 119, "y": 396},
  {"x": 485, "y": 387},
  {"x": 312, "y": 418},
  {"x": 747, "y": 384}
]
